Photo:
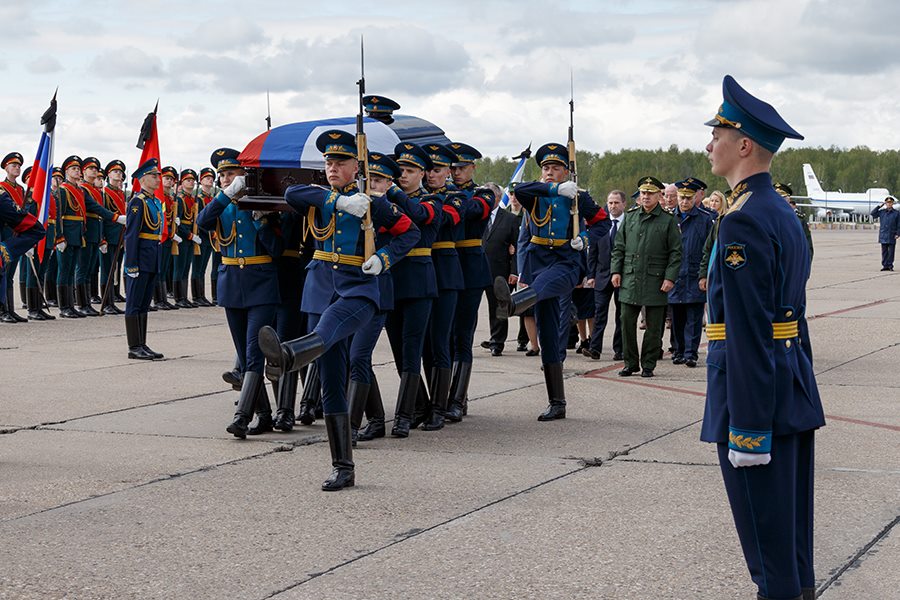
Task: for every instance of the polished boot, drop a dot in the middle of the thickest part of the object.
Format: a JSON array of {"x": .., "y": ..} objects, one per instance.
[
  {"x": 461, "y": 375},
  {"x": 133, "y": 335},
  {"x": 312, "y": 391},
  {"x": 181, "y": 300},
  {"x": 263, "y": 414},
  {"x": 440, "y": 394},
  {"x": 23, "y": 295},
  {"x": 50, "y": 292},
  {"x": 159, "y": 298},
  {"x": 287, "y": 396},
  {"x": 83, "y": 301},
  {"x": 143, "y": 321},
  {"x": 556, "y": 392},
  {"x": 374, "y": 413},
  {"x": 95, "y": 290},
  {"x": 117, "y": 292},
  {"x": 357, "y": 394},
  {"x": 406, "y": 400},
  {"x": 109, "y": 305},
  {"x": 66, "y": 307},
  {"x": 338, "y": 428},
  {"x": 167, "y": 292},
  {"x": 422, "y": 407},
  {"x": 244, "y": 412},
  {"x": 508, "y": 304},
  {"x": 808, "y": 593},
  {"x": 213, "y": 288},
  {"x": 11, "y": 306},
  {"x": 293, "y": 354},
  {"x": 35, "y": 310},
  {"x": 198, "y": 293}
]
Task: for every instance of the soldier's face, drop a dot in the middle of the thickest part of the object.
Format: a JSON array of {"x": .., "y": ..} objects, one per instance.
[
  {"x": 228, "y": 175},
  {"x": 150, "y": 182},
  {"x": 437, "y": 177},
  {"x": 340, "y": 171},
  {"x": 554, "y": 173},
  {"x": 188, "y": 184},
  {"x": 168, "y": 181},
  {"x": 73, "y": 173},
  {"x": 724, "y": 151},
  {"x": 685, "y": 203},
  {"x": 116, "y": 177},
  {"x": 90, "y": 174},
  {"x": 462, "y": 174},
  {"x": 379, "y": 184},
  {"x": 206, "y": 181},
  {"x": 649, "y": 200},
  {"x": 410, "y": 178},
  {"x": 13, "y": 170}
]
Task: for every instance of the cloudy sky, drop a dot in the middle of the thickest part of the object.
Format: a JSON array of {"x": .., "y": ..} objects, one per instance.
[{"x": 494, "y": 74}]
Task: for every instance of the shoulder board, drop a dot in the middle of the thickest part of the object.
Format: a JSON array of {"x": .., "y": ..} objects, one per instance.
[
  {"x": 739, "y": 202},
  {"x": 633, "y": 208}
]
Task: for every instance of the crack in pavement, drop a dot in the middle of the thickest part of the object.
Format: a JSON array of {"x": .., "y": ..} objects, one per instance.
[
  {"x": 856, "y": 559},
  {"x": 847, "y": 362}
]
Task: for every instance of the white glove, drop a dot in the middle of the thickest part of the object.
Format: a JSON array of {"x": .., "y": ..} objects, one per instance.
[
  {"x": 577, "y": 243},
  {"x": 132, "y": 275},
  {"x": 178, "y": 220},
  {"x": 120, "y": 219},
  {"x": 236, "y": 188},
  {"x": 30, "y": 253},
  {"x": 177, "y": 238},
  {"x": 356, "y": 205},
  {"x": 104, "y": 248},
  {"x": 61, "y": 247},
  {"x": 373, "y": 266},
  {"x": 748, "y": 459},
  {"x": 196, "y": 239},
  {"x": 568, "y": 189}
]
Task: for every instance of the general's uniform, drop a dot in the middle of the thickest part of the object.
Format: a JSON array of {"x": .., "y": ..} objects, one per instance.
[
  {"x": 762, "y": 400},
  {"x": 115, "y": 201}
]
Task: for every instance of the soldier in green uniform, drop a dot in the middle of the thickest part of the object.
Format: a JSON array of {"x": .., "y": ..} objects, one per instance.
[
  {"x": 786, "y": 192},
  {"x": 646, "y": 259}
]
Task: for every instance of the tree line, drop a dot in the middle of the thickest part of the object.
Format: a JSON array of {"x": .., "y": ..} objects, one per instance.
[{"x": 850, "y": 170}]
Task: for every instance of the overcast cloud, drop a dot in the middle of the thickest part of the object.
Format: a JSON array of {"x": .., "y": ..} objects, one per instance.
[{"x": 494, "y": 74}]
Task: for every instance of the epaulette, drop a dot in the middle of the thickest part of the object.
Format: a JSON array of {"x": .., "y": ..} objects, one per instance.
[{"x": 633, "y": 208}]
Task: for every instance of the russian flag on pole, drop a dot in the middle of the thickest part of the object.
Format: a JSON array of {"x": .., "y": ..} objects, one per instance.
[
  {"x": 517, "y": 174},
  {"x": 41, "y": 174},
  {"x": 148, "y": 142}
]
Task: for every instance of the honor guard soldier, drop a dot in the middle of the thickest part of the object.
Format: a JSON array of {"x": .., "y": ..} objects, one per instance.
[
  {"x": 341, "y": 293},
  {"x": 88, "y": 261},
  {"x": 248, "y": 285},
  {"x": 170, "y": 241},
  {"x": 552, "y": 261},
  {"x": 200, "y": 262},
  {"x": 114, "y": 200},
  {"x": 12, "y": 164},
  {"x": 762, "y": 402},
  {"x": 785, "y": 191},
  {"x": 24, "y": 231},
  {"x": 187, "y": 229},
  {"x": 143, "y": 234},
  {"x": 50, "y": 271},
  {"x": 31, "y": 265}
]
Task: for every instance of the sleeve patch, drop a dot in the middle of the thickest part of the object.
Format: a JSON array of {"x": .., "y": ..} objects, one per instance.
[{"x": 735, "y": 256}]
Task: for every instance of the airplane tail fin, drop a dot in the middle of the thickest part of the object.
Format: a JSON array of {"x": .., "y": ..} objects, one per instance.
[{"x": 813, "y": 188}]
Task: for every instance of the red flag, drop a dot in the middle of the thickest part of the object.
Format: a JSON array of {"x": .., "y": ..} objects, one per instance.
[{"x": 148, "y": 141}]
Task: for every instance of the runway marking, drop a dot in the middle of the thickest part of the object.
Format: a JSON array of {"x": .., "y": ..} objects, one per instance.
[
  {"x": 861, "y": 422},
  {"x": 852, "y": 308}
]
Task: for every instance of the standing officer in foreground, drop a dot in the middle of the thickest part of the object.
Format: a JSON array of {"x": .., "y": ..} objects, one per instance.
[
  {"x": 645, "y": 262},
  {"x": 762, "y": 403},
  {"x": 888, "y": 231}
]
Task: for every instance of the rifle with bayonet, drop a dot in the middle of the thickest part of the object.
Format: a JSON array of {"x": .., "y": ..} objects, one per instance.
[
  {"x": 573, "y": 172},
  {"x": 362, "y": 154}
]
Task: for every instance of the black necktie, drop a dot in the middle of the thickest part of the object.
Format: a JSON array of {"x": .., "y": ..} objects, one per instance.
[{"x": 614, "y": 229}]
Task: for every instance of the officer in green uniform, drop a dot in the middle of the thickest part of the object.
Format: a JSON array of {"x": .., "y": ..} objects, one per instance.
[
  {"x": 786, "y": 192},
  {"x": 646, "y": 259}
]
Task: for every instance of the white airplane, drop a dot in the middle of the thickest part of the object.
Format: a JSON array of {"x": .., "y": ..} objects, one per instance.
[{"x": 839, "y": 204}]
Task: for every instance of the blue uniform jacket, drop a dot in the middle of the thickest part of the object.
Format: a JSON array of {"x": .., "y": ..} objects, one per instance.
[
  {"x": 758, "y": 386},
  {"x": 339, "y": 235},
  {"x": 294, "y": 259},
  {"x": 25, "y": 230},
  {"x": 415, "y": 277},
  {"x": 446, "y": 259},
  {"x": 476, "y": 217},
  {"x": 247, "y": 276},
  {"x": 695, "y": 226},
  {"x": 73, "y": 224},
  {"x": 888, "y": 225},
  {"x": 96, "y": 214},
  {"x": 550, "y": 218},
  {"x": 143, "y": 229}
]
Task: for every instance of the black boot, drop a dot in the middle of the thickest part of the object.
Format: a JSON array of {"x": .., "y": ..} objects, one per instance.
[
  {"x": 512, "y": 304},
  {"x": 357, "y": 394},
  {"x": 287, "y": 396},
  {"x": 83, "y": 301},
  {"x": 95, "y": 290},
  {"x": 143, "y": 320},
  {"x": 338, "y": 428},
  {"x": 374, "y": 413},
  {"x": 166, "y": 292},
  {"x": 249, "y": 397},
  {"x": 808, "y": 593},
  {"x": 263, "y": 413},
  {"x": 459, "y": 389},
  {"x": 109, "y": 305},
  {"x": 35, "y": 309},
  {"x": 293, "y": 354},
  {"x": 23, "y": 296},
  {"x": 11, "y": 306},
  {"x": 422, "y": 406},
  {"x": 50, "y": 291},
  {"x": 213, "y": 287},
  {"x": 66, "y": 307},
  {"x": 198, "y": 293},
  {"x": 440, "y": 394},
  {"x": 556, "y": 392},
  {"x": 181, "y": 300},
  {"x": 133, "y": 335},
  {"x": 406, "y": 400},
  {"x": 117, "y": 291},
  {"x": 312, "y": 392}
]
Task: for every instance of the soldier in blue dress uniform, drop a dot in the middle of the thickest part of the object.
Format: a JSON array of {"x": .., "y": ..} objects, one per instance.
[
  {"x": 23, "y": 231},
  {"x": 341, "y": 293},
  {"x": 762, "y": 403},
  {"x": 88, "y": 261},
  {"x": 143, "y": 233},
  {"x": 12, "y": 164},
  {"x": 248, "y": 285},
  {"x": 552, "y": 263},
  {"x": 200, "y": 262},
  {"x": 189, "y": 246},
  {"x": 114, "y": 200}
]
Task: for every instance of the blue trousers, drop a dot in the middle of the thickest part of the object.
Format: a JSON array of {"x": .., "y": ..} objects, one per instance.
[
  {"x": 138, "y": 293},
  {"x": 361, "y": 348},
  {"x": 437, "y": 339},
  {"x": 887, "y": 255},
  {"x": 772, "y": 507},
  {"x": 602, "y": 298},
  {"x": 687, "y": 325},
  {"x": 107, "y": 269},
  {"x": 66, "y": 260},
  {"x": 342, "y": 319},
  {"x": 465, "y": 321},
  {"x": 245, "y": 324},
  {"x": 552, "y": 284},
  {"x": 183, "y": 260},
  {"x": 88, "y": 261},
  {"x": 406, "y": 326},
  {"x": 165, "y": 260},
  {"x": 199, "y": 262}
]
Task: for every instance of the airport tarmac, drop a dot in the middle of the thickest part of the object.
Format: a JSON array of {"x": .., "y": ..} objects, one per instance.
[{"x": 118, "y": 480}]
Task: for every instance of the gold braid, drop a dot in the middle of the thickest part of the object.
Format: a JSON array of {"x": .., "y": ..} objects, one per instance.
[
  {"x": 540, "y": 222},
  {"x": 320, "y": 234}
]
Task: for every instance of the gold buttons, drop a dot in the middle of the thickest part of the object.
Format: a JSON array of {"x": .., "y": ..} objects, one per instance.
[
  {"x": 787, "y": 344},
  {"x": 789, "y": 314}
]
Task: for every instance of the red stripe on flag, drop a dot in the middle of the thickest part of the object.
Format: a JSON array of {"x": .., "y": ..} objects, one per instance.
[{"x": 250, "y": 156}]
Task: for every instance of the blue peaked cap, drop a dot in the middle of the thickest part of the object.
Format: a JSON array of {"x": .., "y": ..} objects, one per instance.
[{"x": 754, "y": 117}]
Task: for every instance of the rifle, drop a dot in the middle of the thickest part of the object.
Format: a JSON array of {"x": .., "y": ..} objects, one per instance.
[
  {"x": 573, "y": 173},
  {"x": 268, "y": 113},
  {"x": 362, "y": 153}
]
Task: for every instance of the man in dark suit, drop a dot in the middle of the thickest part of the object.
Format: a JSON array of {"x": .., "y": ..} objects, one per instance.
[
  {"x": 599, "y": 254},
  {"x": 499, "y": 247}
]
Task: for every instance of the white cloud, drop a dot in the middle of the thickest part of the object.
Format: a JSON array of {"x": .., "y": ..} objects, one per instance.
[{"x": 45, "y": 64}]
